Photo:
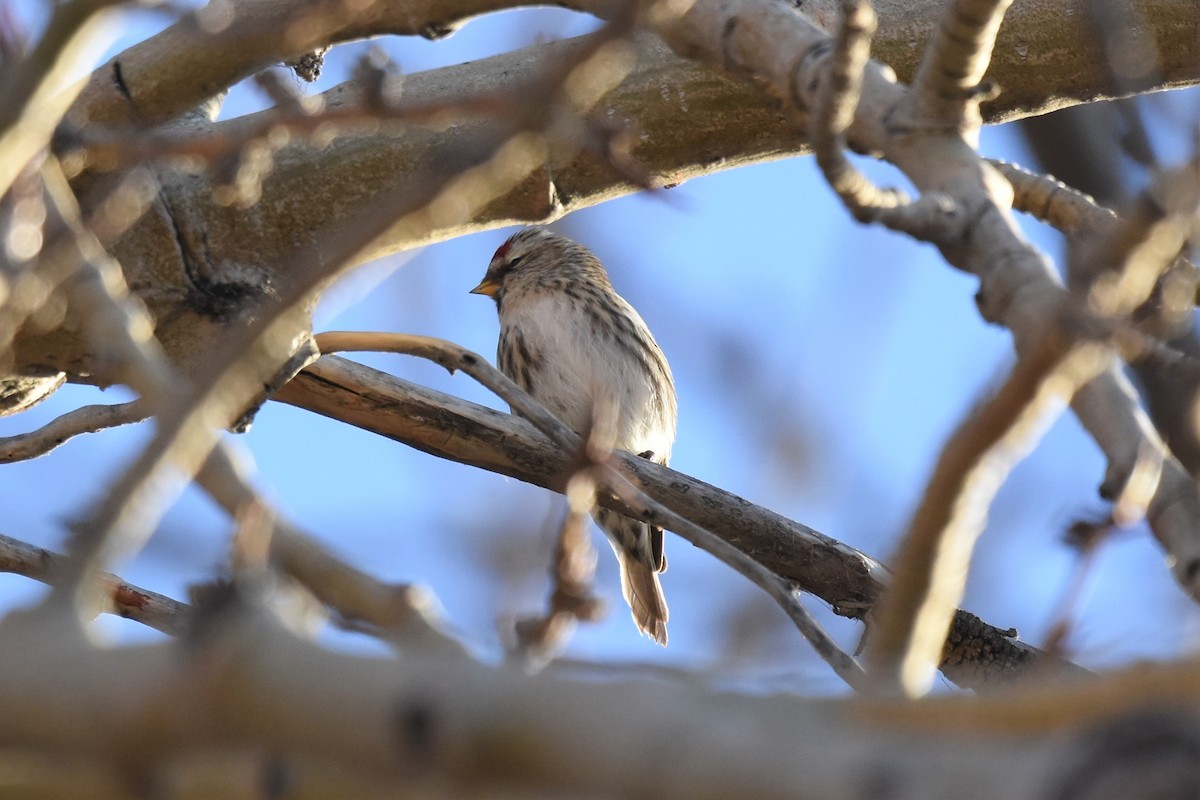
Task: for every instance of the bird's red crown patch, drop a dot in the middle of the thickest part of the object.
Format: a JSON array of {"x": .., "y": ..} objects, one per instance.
[{"x": 502, "y": 250}]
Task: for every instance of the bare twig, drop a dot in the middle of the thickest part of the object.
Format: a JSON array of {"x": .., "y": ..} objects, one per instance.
[
  {"x": 118, "y": 324},
  {"x": 88, "y": 419},
  {"x": 1118, "y": 269},
  {"x": 905, "y": 643},
  {"x": 833, "y": 112},
  {"x": 1085, "y": 537},
  {"x": 79, "y": 250},
  {"x": 99, "y": 297},
  {"x": 123, "y": 599},
  {"x": 947, "y": 87},
  {"x": 1053, "y": 202},
  {"x": 540, "y": 639},
  {"x": 837, "y": 100},
  {"x": 118, "y": 148},
  {"x": 39, "y": 88},
  {"x": 1077, "y": 214},
  {"x": 453, "y": 358},
  {"x": 398, "y": 612},
  {"x": 779, "y": 590}
]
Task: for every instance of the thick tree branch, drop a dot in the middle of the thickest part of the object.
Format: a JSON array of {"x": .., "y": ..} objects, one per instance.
[
  {"x": 345, "y": 179},
  {"x": 443, "y": 722},
  {"x": 213, "y": 48},
  {"x": 1046, "y": 49}
]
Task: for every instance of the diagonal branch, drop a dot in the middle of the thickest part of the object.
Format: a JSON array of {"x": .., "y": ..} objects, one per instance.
[
  {"x": 781, "y": 591},
  {"x": 782, "y": 52},
  {"x": 978, "y": 656},
  {"x": 604, "y": 472},
  {"x": 123, "y": 599},
  {"x": 934, "y": 559},
  {"x": 39, "y": 88}
]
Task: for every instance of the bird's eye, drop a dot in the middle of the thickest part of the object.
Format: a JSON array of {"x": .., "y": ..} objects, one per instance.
[{"x": 505, "y": 267}]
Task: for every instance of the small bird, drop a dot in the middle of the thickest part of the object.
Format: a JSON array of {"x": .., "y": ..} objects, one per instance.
[{"x": 574, "y": 344}]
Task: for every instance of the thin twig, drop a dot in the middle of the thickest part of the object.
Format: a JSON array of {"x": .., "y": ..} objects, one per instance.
[
  {"x": 453, "y": 358},
  {"x": 38, "y": 89},
  {"x": 834, "y": 107},
  {"x": 833, "y": 113},
  {"x": 123, "y": 599},
  {"x": 1077, "y": 214},
  {"x": 948, "y": 85},
  {"x": 87, "y": 419},
  {"x": 1085, "y": 537},
  {"x": 110, "y": 149},
  {"x": 397, "y": 612},
  {"x": 1053, "y": 202},
  {"x": 1118, "y": 269},
  {"x": 540, "y": 639},
  {"x": 779, "y": 590},
  {"x": 930, "y": 571},
  {"x": 119, "y": 327}
]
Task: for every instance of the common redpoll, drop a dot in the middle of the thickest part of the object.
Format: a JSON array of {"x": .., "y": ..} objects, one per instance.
[{"x": 572, "y": 342}]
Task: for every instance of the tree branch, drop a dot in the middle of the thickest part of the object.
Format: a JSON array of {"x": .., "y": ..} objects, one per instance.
[
  {"x": 602, "y": 470},
  {"x": 87, "y": 419},
  {"x": 782, "y": 52},
  {"x": 433, "y": 722},
  {"x": 915, "y": 615},
  {"x": 124, "y": 599},
  {"x": 345, "y": 179},
  {"x": 448, "y": 427}
]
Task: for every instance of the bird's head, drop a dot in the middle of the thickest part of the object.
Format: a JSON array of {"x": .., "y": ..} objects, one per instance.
[{"x": 538, "y": 258}]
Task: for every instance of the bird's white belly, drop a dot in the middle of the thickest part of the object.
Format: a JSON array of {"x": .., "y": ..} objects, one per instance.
[{"x": 581, "y": 369}]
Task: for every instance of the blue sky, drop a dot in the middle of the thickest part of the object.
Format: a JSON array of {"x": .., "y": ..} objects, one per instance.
[{"x": 820, "y": 365}]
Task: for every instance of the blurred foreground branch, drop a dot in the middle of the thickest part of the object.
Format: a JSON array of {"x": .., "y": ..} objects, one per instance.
[
  {"x": 247, "y": 701},
  {"x": 243, "y": 700}
]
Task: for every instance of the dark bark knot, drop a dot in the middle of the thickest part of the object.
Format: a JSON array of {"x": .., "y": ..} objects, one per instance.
[{"x": 416, "y": 729}]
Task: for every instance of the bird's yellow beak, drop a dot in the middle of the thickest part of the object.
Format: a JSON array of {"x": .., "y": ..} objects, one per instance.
[{"x": 488, "y": 286}]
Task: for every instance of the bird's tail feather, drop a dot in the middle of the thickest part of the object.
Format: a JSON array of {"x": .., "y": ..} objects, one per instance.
[
  {"x": 639, "y": 551},
  {"x": 644, "y": 594}
]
